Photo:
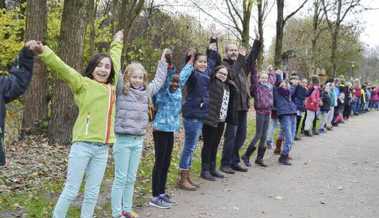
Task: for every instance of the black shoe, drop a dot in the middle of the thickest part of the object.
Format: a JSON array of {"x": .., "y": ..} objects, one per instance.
[
  {"x": 297, "y": 138},
  {"x": 205, "y": 174},
  {"x": 246, "y": 161},
  {"x": 260, "y": 163},
  {"x": 215, "y": 173},
  {"x": 316, "y": 132},
  {"x": 239, "y": 168},
  {"x": 307, "y": 133},
  {"x": 227, "y": 169},
  {"x": 283, "y": 159}
]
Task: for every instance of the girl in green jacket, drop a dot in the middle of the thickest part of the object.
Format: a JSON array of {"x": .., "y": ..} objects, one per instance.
[{"x": 94, "y": 94}]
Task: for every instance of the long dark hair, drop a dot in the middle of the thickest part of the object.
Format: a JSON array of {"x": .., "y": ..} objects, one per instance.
[{"x": 92, "y": 64}]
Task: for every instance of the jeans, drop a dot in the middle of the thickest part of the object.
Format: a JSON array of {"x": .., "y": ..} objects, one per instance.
[
  {"x": 274, "y": 123},
  {"x": 262, "y": 123},
  {"x": 288, "y": 127},
  {"x": 163, "y": 144},
  {"x": 89, "y": 159},
  {"x": 235, "y": 136},
  {"x": 127, "y": 155},
  {"x": 192, "y": 130},
  {"x": 212, "y": 137},
  {"x": 356, "y": 106}
]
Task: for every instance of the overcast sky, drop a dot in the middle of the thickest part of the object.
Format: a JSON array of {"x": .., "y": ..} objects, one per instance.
[{"x": 369, "y": 19}]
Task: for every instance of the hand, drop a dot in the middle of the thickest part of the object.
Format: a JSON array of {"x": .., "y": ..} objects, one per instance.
[
  {"x": 119, "y": 36},
  {"x": 163, "y": 57},
  {"x": 213, "y": 46},
  {"x": 191, "y": 55},
  {"x": 242, "y": 51},
  {"x": 35, "y": 46}
]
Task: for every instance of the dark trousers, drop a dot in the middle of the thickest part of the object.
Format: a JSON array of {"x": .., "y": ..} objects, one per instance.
[
  {"x": 299, "y": 123},
  {"x": 262, "y": 121},
  {"x": 2, "y": 150},
  {"x": 234, "y": 138},
  {"x": 211, "y": 137},
  {"x": 163, "y": 144}
]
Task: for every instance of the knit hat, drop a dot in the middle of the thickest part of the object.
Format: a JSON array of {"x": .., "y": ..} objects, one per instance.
[{"x": 315, "y": 80}]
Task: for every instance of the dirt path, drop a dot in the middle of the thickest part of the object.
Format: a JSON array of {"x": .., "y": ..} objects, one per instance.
[{"x": 333, "y": 176}]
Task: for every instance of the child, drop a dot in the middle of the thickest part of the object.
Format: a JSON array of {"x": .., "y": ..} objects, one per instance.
[
  {"x": 299, "y": 99},
  {"x": 133, "y": 94},
  {"x": 286, "y": 111},
  {"x": 93, "y": 129},
  {"x": 167, "y": 103},
  {"x": 312, "y": 104},
  {"x": 357, "y": 94},
  {"x": 325, "y": 107},
  {"x": 195, "y": 110},
  {"x": 333, "y": 105},
  {"x": 214, "y": 123},
  {"x": 14, "y": 85}
]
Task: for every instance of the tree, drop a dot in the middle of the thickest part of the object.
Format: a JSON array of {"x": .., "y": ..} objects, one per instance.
[
  {"x": 338, "y": 10},
  {"x": 63, "y": 110},
  {"x": 263, "y": 10},
  {"x": 318, "y": 16},
  {"x": 280, "y": 23},
  {"x": 130, "y": 10},
  {"x": 2, "y": 4}
]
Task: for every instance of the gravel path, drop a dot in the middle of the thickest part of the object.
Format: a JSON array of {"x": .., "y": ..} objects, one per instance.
[{"x": 333, "y": 176}]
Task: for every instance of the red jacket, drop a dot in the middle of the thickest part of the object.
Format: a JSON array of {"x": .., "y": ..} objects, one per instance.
[{"x": 312, "y": 102}]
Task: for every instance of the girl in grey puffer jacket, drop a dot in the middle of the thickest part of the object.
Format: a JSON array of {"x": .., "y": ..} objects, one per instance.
[{"x": 133, "y": 94}]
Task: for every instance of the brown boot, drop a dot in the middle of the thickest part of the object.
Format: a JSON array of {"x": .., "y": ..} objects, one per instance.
[
  {"x": 278, "y": 146},
  {"x": 190, "y": 180},
  {"x": 183, "y": 182}
]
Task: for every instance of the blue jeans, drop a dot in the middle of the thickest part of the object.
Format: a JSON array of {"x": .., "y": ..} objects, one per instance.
[
  {"x": 192, "y": 131},
  {"x": 274, "y": 123},
  {"x": 89, "y": 159},
  {"x": 356, "y": 106},
  {"x": 288, "y": 128},
  {"x": 234, "y": 138},
  {"x": 127, "y": 153}
]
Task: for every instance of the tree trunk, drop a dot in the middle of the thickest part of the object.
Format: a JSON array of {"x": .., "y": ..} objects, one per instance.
[
  {"x": 260, "y": 34},
  {"x": 334, "y": 51},
  {"x": 35, "y": 99},
  {"x": 279, "y": 33},
  {"x": 2, "y": 4},
  {"x": 92, "y": 24},
  {"x": 63, "y": 108}
]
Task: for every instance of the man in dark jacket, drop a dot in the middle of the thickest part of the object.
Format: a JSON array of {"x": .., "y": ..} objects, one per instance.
[
  {"x": 235, "y": 132},
  {"x": 12, "y": 86}
]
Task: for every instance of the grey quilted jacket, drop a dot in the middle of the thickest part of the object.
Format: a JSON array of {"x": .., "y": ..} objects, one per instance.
[{"x": 132, "y": 109}]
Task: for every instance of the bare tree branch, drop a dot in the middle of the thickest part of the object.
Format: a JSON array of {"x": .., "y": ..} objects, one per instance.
[{"x": 295, "y": 11}]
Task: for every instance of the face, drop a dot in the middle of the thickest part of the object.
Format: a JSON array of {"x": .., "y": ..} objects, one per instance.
[
  {"x": 304, "y": 82},
  {"x": 201, "y": 63},
  {"x": 102, "y": 71},
  {"x": 232, "y": 52},
  {"x": 174, "y": 85},
  {"x": 263, "y": 78},
  {"x": 222, "y": 74},
  {"x": 136, "y": 79}
]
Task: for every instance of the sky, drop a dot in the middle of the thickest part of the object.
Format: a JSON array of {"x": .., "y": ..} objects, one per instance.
[{"x": 368, "y": 19}]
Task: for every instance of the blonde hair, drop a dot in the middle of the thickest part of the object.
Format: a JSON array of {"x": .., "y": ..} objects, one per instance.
[{"x": 129, "y": 70}]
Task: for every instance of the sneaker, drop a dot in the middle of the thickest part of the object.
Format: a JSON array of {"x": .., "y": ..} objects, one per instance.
[
  {"x": 168, "y": 199},
  {"x": 246, "y": 161},
  {"x": 260, "y": 163},
  {"x": 125, "y": 214},
  {"x": 239, "y": 168},
  {"x": 159, "y": 202},
  {"x": 227, "y": 169},
  {"x": 322, "y": 130}
]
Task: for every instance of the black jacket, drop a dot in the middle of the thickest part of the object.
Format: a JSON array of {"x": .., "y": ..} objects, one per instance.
[
  {"x": 15, "y": 84},
  {"x": 239, "y": 71}
]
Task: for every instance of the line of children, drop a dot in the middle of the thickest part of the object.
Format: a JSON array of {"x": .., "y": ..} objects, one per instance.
[{"x": 114, "y": 107}]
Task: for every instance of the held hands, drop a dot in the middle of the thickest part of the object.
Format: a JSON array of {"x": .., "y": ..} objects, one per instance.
[
  {"x": 164, "y": 55},
  {"x": 242, "y": 51},
  {"x": 35, "y": 46},
  {"x": 119, "y": 36},
  {"x": 190, "y": 56}
]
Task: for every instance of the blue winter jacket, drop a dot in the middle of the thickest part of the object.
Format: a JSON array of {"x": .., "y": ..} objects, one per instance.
[
  {"x": 299, "y": 96},
  {"x": 169, "y": 104},
  {"x": 283, "y": 101},
  {"x": 196, "y": 102},
  {"x": 15, "y": 84}
]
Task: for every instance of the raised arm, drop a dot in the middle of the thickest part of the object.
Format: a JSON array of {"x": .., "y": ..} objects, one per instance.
[
  {"x": 160, "y": 75},
  {"x": 251, "y": 59},
  {"x": 253, "y": 80},
  {"x": 17, "y": 82},
  {"x": 213, "y": 57},
  {"x": 115, "y": 52}
]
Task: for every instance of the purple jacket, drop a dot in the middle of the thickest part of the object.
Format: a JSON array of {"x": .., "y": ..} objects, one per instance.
[{"x": 262, "y": 93}]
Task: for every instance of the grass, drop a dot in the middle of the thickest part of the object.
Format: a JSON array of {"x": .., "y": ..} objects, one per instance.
[{"x": 40, "y": 202}]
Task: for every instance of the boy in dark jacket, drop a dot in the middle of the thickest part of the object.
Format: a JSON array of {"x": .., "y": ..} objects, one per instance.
[
  {"x": 298, "y": 97},
  {"x": 12, "y": 86},
  {"x": 325, "y": 106}
]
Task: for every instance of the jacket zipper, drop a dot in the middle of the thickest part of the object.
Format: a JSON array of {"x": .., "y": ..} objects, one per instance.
[
  {"x": 87, "y": 124},
  {"x": 109, "y": 114}
]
